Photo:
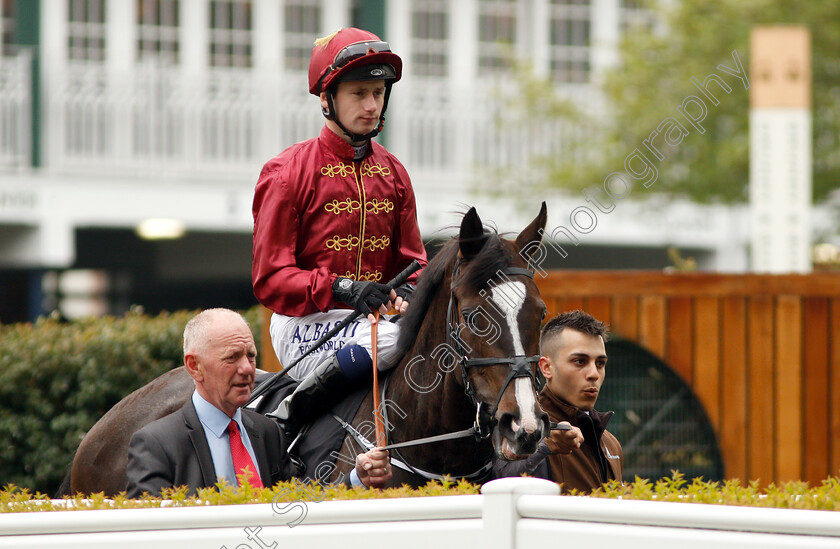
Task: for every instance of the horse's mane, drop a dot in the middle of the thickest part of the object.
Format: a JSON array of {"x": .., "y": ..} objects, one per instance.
[{"x": 492, "y": 257}]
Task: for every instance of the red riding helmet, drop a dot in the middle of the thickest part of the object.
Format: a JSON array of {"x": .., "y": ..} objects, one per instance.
[{"x": 350, "y": 49}]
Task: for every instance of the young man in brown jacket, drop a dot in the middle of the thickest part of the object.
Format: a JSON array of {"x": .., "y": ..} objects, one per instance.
[{"x": 573, "y": 363}]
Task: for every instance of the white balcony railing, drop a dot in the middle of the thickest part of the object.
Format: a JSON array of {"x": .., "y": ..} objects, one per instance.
[{"x": 226, "y": 123}]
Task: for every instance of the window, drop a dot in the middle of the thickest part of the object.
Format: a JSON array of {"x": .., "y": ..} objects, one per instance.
[
  {"x": 86, "y": 30},
  {"x": 430, "y": 34},
  {"x": 302, "y": 28},
  {"x": 230, "y": 33},
  {"x": 496, "y": 34},
  {"x": 570, "y": 26},
  {"x": 7, "y": 25},
  {"x": 157, "y": 31}
]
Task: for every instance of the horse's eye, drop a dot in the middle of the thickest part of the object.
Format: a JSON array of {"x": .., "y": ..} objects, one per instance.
[
  {"x": 544, "y": 313},
  {"x": 468, "y": 313}
]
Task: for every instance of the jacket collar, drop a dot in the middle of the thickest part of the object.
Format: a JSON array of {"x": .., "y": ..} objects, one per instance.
[
  {"x": 563, "y": 411},
  {"x": 199, "y": 442},
  {"x": 338, "y": 146}
]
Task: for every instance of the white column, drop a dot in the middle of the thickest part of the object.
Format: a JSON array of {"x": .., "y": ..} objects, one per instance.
[
  {"x": 121, "y": 35},
  {"x": 194, "y": 40},
  {"x": 463, "y": 44},
  {"x": 120, "y": 47},
  {"x": 335, "y": 14},
  {"x": 605, "y": 33},
  {"x": 467, "y": 96},
  {"x": 54, "y": 54},
  {"x": 268, "y": 35},
  {"x": 268, "y": 70},
  {"x": 780, "y": 149},
  {"x": 397, "y": 127},
  {"x": 539, "y": 38},
  {"x": 194, "y": 35}
]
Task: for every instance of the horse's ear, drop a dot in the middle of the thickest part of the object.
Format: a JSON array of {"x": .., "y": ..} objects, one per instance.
[
  {"x": 531, "y": 236},
  {"x": 472, "y": 236}
]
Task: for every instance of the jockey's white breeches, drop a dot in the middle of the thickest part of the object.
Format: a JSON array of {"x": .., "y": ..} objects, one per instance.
[{"x": 291, "y": 336}]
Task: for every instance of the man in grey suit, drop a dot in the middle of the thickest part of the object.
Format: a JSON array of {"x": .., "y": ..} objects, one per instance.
[{"x": 211, "y": 437}]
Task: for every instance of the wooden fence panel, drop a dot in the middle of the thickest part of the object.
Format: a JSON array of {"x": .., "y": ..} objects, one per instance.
[
  {"x": 707, "y": 356},
  {"x": 788, "y": 399},
  {"x": 567, "y": 304},
  {"x": 680, "y": 337},
  {"x": 761, "y": 458},
  {"x": 733, "y": 426},
  {"x": 267, "y": 359},
  {"x": 652, "y": 324},
  {"x": 816, "y": 405},
  {"x": 625, "y": 316},
  {"x": 834, "y": 384},
  {"x": 600, "y": 307}
]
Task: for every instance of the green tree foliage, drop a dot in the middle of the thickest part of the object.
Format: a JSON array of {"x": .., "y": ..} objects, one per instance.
[
  {"x": 652, "y": 79},
  {"x": 57, "y": 379}
]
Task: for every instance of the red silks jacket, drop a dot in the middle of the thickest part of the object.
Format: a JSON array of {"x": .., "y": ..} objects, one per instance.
[{"x": 319, "y": 215}]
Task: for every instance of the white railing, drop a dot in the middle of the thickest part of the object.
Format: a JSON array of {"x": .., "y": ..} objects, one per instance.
[
  {"x": 510, "y": 513},
  {"x": 157, "y": 119},
  {"x": 15, "y": 111}
]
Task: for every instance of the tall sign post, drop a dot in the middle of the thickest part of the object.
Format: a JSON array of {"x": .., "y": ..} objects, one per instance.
[{"x": 780, "y": 149}]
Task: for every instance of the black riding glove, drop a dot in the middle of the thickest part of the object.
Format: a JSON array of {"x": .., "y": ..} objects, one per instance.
[
  {"x": 405, "y": 291},
  {"x": 364, "y": 296}
]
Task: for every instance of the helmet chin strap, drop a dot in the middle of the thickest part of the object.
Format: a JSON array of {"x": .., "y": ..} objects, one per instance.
[{"x": 331, "y": 114}]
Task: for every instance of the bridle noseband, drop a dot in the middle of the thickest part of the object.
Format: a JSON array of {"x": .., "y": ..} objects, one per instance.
[{"x": 520, "y": 365}]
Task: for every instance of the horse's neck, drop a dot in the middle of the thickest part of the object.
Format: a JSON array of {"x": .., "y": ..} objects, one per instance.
[{"x": 427, "y": 382}]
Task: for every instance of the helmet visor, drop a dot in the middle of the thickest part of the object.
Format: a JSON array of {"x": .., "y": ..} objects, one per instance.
[{"x": 357, "y": 50}]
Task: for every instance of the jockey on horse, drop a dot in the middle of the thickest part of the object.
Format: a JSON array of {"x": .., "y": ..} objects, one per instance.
[{"x": 334, "y": 219}]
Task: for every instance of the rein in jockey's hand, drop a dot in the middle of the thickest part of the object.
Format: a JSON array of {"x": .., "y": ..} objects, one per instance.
[
  {"x": 374, "y": 468},
  {"x": 364, "y": 296}
]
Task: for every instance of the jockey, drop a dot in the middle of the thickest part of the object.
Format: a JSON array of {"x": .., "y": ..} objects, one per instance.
[{"x": 334, "y": 220}]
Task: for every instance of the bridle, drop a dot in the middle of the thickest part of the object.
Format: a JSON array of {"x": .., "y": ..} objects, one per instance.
[{"x": 520, "y": 365}]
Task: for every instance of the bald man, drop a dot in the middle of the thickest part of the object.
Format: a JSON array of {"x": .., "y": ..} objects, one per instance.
[{"x": 212, "y": 437}]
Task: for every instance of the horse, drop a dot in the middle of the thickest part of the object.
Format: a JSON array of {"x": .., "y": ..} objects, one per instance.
[{"x": 477, "y": 299}]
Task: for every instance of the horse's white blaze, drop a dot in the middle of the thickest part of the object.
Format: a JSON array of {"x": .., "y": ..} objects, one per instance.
[
  {"x": 509, "y": 298},
  {"x": 527, "y": 403}
]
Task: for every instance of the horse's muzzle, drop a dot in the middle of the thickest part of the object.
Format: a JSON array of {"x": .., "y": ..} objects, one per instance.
[{"x": 514, "y": 441}]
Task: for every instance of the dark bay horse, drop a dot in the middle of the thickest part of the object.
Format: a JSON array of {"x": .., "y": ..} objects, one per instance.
[
  {"x": 476, "y": 299},
  {"x": 471, "y": 343}
]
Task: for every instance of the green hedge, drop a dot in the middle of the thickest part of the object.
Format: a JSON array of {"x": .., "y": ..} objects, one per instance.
[
  {"x": 788, "y": 495},
  {"x": 58, "y": 378}
]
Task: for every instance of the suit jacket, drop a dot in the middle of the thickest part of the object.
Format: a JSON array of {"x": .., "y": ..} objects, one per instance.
[{"x": 173, "y": 451}]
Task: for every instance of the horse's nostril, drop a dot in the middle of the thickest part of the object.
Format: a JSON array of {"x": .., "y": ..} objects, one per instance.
[{"x": 507, "y": 423}]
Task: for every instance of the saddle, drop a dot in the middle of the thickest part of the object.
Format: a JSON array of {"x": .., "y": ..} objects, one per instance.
[{"x": 316, "y": 450}]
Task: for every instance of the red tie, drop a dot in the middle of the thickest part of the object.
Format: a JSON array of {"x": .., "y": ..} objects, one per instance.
[{"x": 241, "y": 457}]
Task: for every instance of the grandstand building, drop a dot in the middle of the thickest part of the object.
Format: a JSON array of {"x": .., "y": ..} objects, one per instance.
[{"x": 124, "y": 116}]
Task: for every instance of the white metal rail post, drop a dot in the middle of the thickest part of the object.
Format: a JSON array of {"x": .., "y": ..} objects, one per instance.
[{"x": 500, "y": 511}]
